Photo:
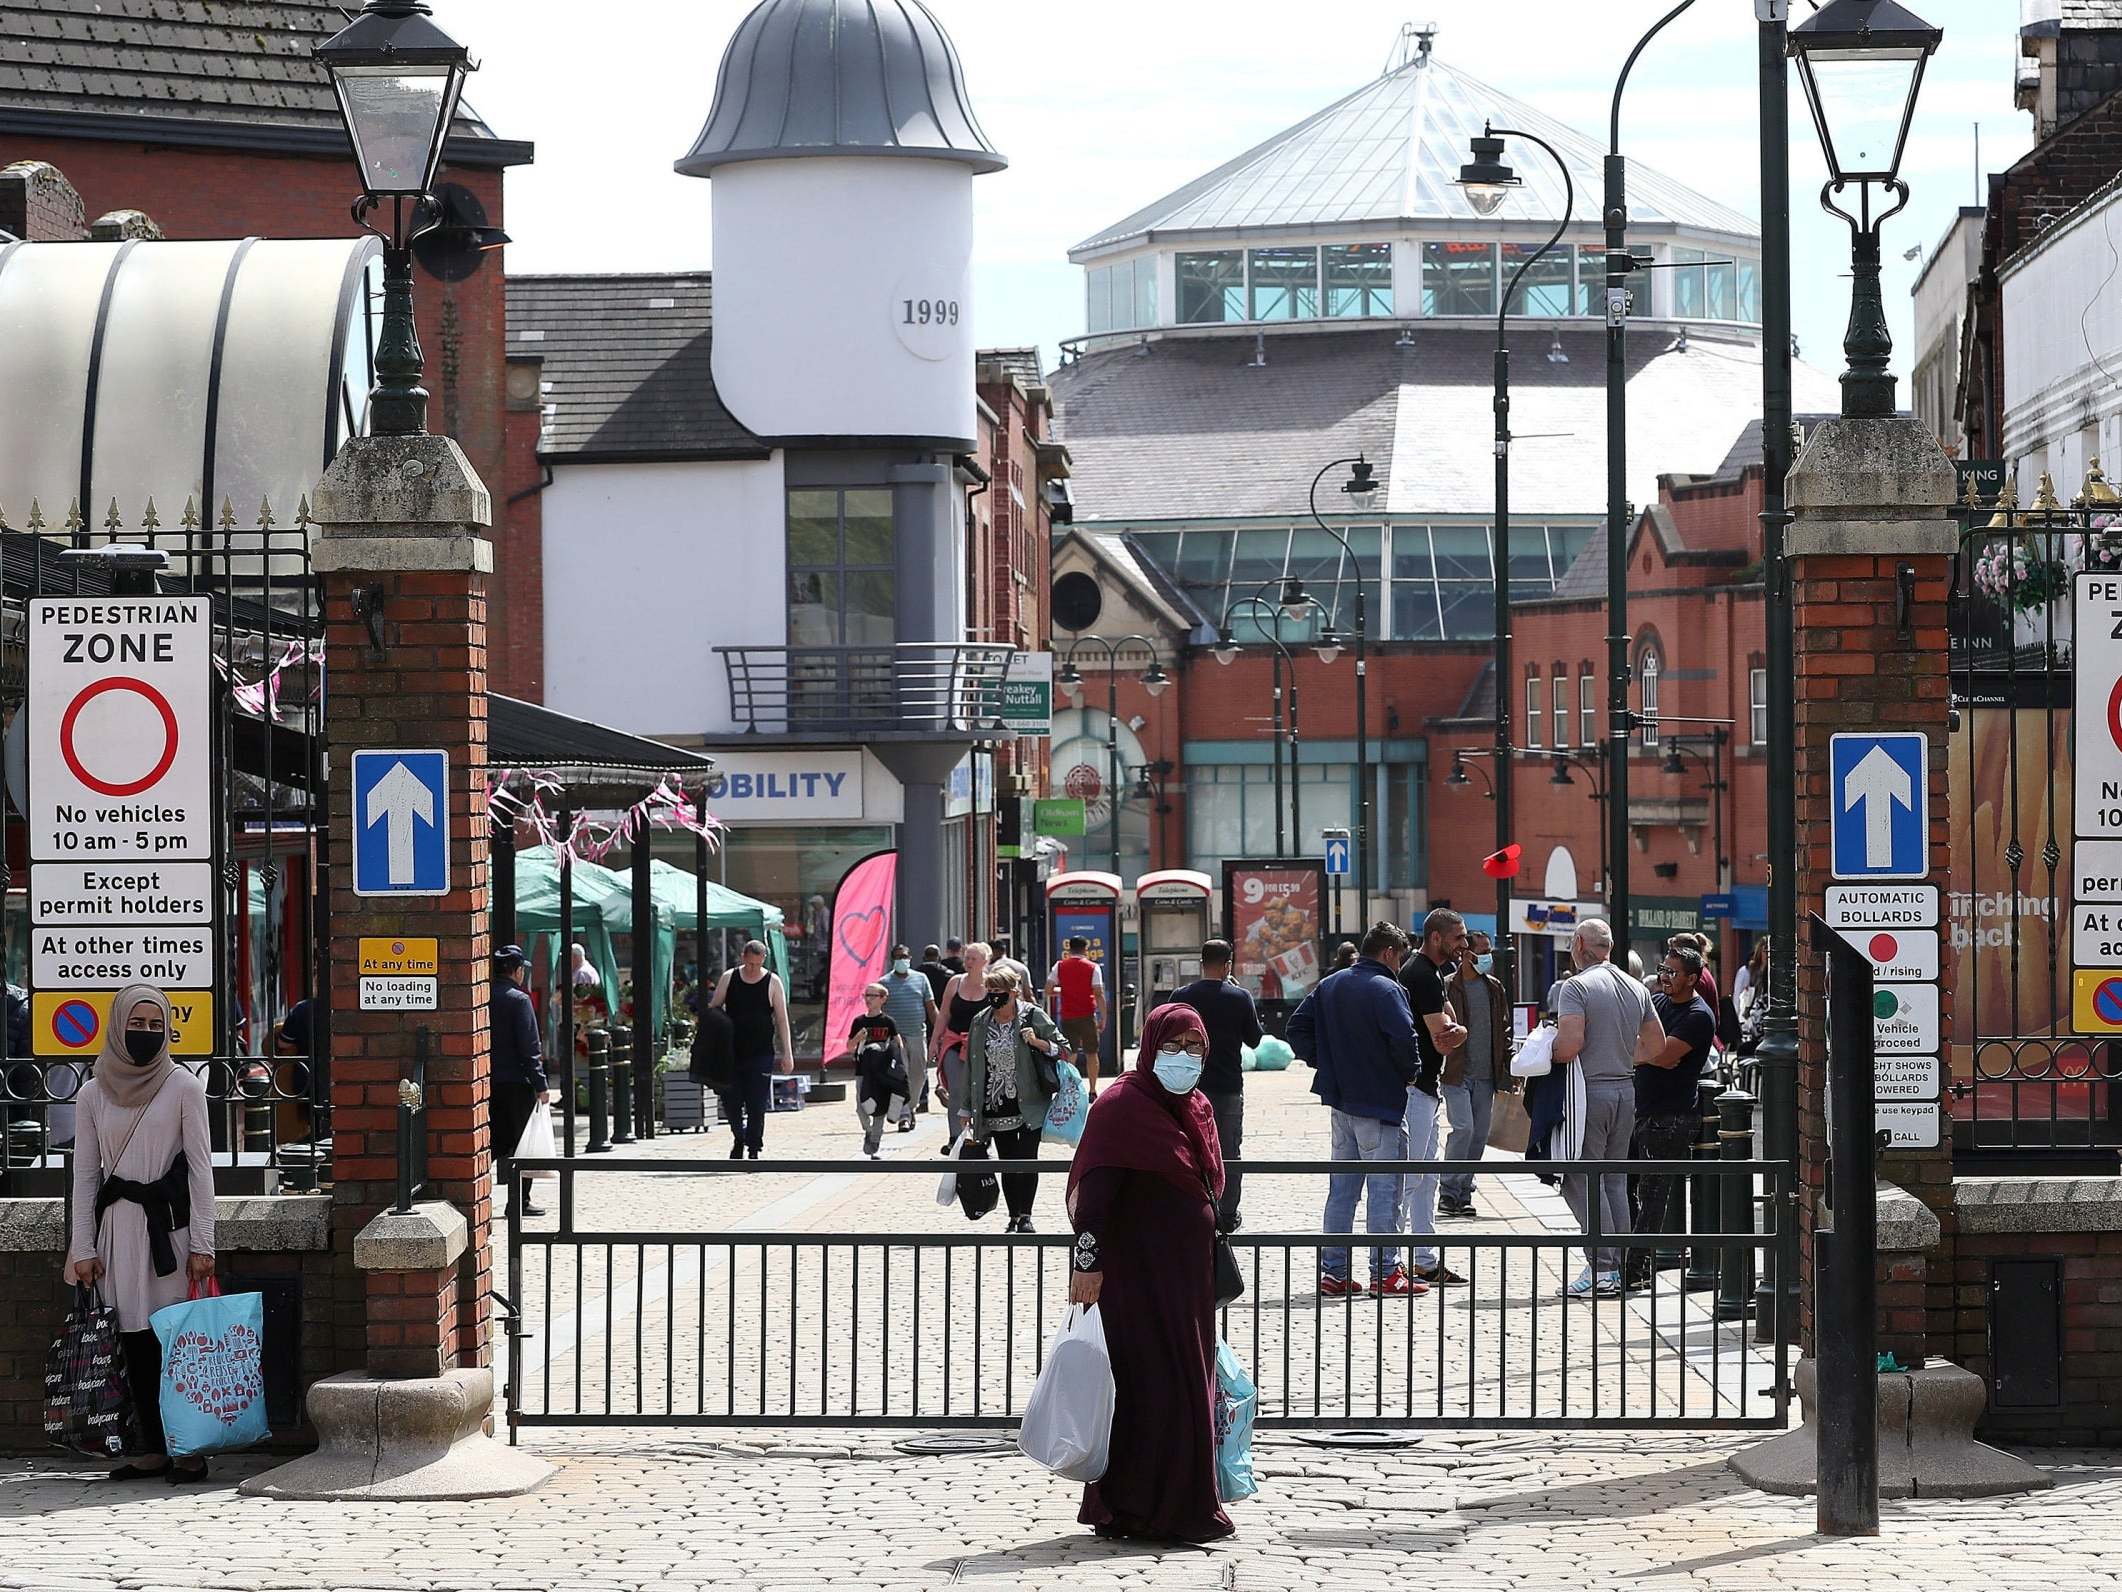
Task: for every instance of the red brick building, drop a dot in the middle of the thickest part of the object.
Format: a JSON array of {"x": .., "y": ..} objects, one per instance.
[
  {"x": 218, "y": 122},
  {"x": 1698, "y": 765}
]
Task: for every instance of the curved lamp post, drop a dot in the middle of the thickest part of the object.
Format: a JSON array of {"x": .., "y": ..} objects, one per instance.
[
  {"x": 1226, "y": 653},
  {"x": 1488, "y": 180},
  {"x": 1153, "y": 679},
  {"x": 1360, "y": 487},
  {"x": 398, "y": 78}
]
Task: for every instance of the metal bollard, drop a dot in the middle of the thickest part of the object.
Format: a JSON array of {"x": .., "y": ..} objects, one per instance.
[
  {"x": 1735, "y": 1142},
  {"x": 600, "y": 1092},
  {"x": 1702, "y": 1192},
  {"x": 622, "y": 1084}
]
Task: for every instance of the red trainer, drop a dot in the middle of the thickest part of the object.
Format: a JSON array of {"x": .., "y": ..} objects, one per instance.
[
  {"x": 1397, "y": 1284},
  {"x": 1332, "y": 1287}
]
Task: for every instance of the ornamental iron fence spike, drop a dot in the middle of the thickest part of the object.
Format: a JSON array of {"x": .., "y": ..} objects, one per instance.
[
  {"x": 36, "y": 518},
  {"x": 2045, "y": 500},
  {"x": 227, "y": 522},
  {"x": 4, "y": 526},
  {"x": 265, "y": 514},
  {"x": 113, "y": 521},
  {"x": 150, "y": 521},
  {"x": 302, "y": 514},
  {"x": 190, "y": 518},
  {"x": 74, "y": 521}
]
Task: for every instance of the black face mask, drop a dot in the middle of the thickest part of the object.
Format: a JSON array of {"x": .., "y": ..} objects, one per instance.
[{"x": 143, "y": 1044}]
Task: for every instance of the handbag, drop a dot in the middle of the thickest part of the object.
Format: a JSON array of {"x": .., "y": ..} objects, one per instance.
[
  {"x": 213, "y": 1381},
  {"x": 1229, "y": 1280},
  {"x": 88, "y": 1404},
  {"x": 537, "y": 1141}
]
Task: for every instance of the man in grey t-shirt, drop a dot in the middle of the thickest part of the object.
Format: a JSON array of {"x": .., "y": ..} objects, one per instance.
[{"x": 1605, "y": 1025}]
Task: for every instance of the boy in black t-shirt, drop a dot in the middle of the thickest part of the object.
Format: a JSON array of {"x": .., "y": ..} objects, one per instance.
[{"x": 880, "y": 1068}]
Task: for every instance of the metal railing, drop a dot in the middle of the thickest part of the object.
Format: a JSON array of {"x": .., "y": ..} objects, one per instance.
[
  {"x": 654, "y": 1326},
  {"x": 940, "y": 687},
  {"x": 2020, "y": 1083}
]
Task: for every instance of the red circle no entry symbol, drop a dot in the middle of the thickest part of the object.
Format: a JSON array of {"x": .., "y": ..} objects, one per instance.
[
  {"x": 119, "y": 787},
  {"x": 1884, "y": 947},
  {"x": 2107, "y": 1001},
  {"x": 75, "y": 1024}
]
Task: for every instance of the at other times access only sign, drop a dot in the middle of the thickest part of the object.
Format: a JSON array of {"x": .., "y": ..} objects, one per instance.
[{"x": 120, "y": 722}]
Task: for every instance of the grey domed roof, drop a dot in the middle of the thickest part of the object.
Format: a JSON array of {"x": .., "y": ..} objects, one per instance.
[{"x": 840, "y": 77}]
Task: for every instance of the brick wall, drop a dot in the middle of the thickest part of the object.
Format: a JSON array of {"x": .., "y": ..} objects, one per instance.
[
  {"x": 2090, "y": 1409},
  {"x": 38, "y": 204},
  {"x": 426, "y": 689},
  {"x": 1855, "y": 670}
]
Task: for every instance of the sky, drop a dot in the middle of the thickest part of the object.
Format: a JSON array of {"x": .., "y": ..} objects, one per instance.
[{"x": 1104, "y": 105}]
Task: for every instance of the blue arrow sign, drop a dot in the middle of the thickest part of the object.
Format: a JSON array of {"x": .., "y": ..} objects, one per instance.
[
  {"x": 1336, "y": 856},
  {"x": 1879, "y": 798},
  {"x": 401, "y": 823}
]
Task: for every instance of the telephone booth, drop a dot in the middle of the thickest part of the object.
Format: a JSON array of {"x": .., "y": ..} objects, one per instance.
[
  {"x": 1088, "y": 904},
  {"x": 1172, "y": 910}
]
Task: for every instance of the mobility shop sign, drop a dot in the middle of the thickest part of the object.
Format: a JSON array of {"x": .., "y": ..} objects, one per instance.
[{"x": 120, "y": 729}]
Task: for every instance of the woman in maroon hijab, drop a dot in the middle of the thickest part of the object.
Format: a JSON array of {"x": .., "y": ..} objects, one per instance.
[{"x": 1142, "y": 1198}]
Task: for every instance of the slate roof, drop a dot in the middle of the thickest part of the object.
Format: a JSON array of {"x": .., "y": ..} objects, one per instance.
[
  {"x": 1193, "y": 430},
  {"x": 628, "y": 367},
  {"x": 1391, "y": 151},
  {"x": 244, "y": 66},
  {"x": 1021, "y": 363}
]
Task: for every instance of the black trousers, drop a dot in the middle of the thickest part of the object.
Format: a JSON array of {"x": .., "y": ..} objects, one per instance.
[
  {"x": 745, "y": 1105},
  {"x": 1661, "y": 1202},
  {"x": 143, "y": 1374},
  {"x": 508, "y": 1113},
  {"x": 1019, "y": 1189},
  {"x": 1230, "y": 1132}
]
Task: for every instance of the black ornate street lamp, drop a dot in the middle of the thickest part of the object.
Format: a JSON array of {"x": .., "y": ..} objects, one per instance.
[
  {"x": 1294, "y": 605},
  {"x": 1360, "y": 487},
  {"x": 1152, "y": 679},
  {"x": 398, "y": 78},
  {"x": 1487, "y": 181},
  {"x": 1862, "y": 63}
]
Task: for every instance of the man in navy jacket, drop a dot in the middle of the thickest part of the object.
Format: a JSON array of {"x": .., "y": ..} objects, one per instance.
[
  {"x": 517, "y": 1086},
  {"x": 1358, "y": 1031}
]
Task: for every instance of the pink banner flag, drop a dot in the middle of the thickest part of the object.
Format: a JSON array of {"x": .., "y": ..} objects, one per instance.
[{"x": 862, "y": 943}]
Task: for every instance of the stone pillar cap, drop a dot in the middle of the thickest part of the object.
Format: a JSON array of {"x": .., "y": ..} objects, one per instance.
[{"x": 429, "y": 1237}]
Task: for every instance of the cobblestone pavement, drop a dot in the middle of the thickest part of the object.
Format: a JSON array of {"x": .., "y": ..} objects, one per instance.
[{"x": 672, "y": 1510}]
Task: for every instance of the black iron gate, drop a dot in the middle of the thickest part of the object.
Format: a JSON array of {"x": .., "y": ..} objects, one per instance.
[
  {"x": 2026, "y": 1094},
  {"x": 939, "y": 1324},
  {"x": 269, "y": 1101}
]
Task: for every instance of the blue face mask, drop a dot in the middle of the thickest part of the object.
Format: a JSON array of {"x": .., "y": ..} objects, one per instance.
[
  {"x": 902, "y": 965},
  {"x": 1483, "y": 964},
  {"x": 1177, "y": 1071}
]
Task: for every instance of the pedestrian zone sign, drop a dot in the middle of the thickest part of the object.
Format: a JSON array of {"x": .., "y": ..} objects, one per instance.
[
  {"x": 401, "y": 823},
  {"x": 1336, "y": 855},
  {"x": 1879, "y": 790}
]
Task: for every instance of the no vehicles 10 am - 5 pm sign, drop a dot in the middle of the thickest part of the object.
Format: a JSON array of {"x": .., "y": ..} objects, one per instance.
[{"x": 120, "y": 729}]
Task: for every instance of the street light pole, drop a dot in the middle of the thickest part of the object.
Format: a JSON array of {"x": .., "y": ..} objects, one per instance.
[
  {"x": 1359, "y": 487},
  {"x": 1153, "y": 680},
  {"x": 1487, "y": 181},
  {"x": 1226, "y": 651},
  {"x": 1620, "y": 264}
]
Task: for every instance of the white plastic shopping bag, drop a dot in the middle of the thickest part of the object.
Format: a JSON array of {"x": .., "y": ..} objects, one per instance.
[
  {"x": 947, "y": 1185},
  {"x": 1536, "y": 1057},
  {"x": 537, "y": 1141},
  {"x": 1068, "y": 1425}
]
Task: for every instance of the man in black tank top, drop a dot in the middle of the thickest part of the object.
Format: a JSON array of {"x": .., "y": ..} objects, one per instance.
[{"x": 758, "y": 1011}]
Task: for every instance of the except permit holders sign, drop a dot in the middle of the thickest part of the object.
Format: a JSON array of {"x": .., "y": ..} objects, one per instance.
[
  {"x": 119, "y": 894},
  {"x": 72, "y": 1022},
  {"x": 120, "y": 729}
]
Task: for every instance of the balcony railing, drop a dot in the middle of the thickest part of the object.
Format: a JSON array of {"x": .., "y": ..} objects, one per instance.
[{"x": 938, "y": 688}]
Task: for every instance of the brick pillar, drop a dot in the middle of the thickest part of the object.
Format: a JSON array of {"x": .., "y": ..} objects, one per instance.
[
  {"x": 1869, "y": 498},
  {"x": 404, "y": 562}
]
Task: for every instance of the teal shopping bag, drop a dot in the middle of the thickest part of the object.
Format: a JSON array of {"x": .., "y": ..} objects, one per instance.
[
  {"x": 213, "y": 1380},
  {"x": 1237, "y": 1402},
  {"x": 1071, "y": 1104}
]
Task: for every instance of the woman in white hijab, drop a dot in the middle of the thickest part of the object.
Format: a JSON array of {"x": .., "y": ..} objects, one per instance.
[{"x": 143, "y": 1202}]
